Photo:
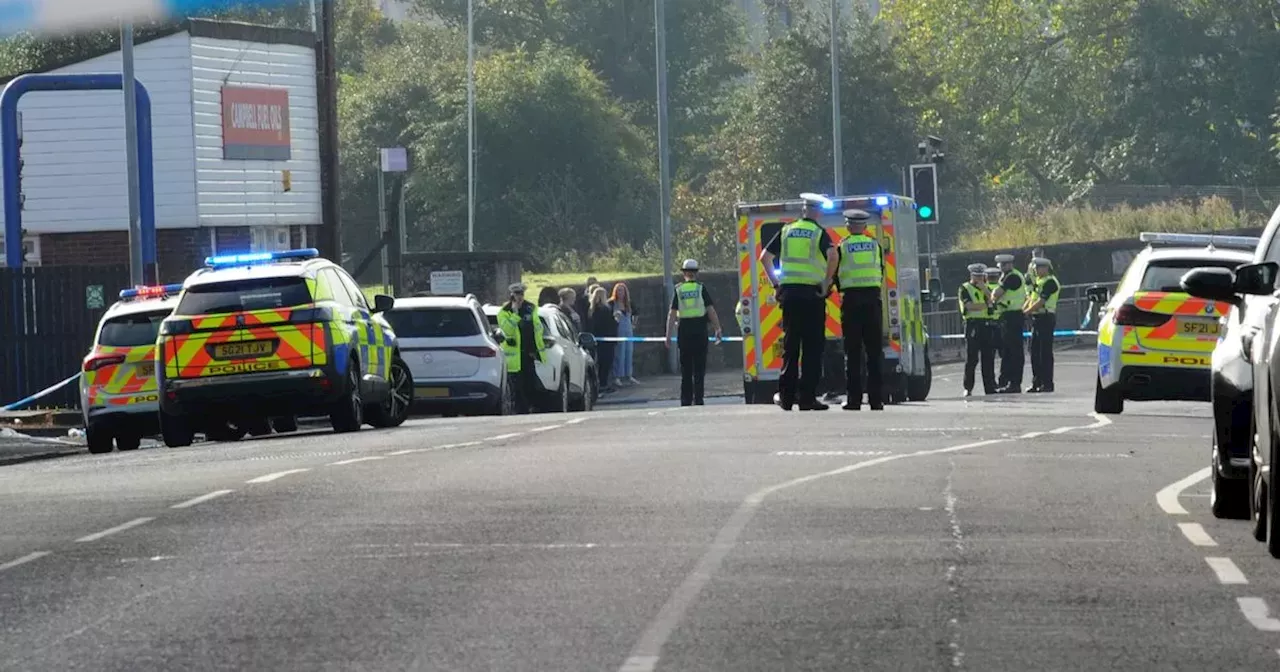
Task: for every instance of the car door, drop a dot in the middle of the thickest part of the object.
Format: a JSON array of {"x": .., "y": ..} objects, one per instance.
[
  {"x": 1260, "y": 310},
  {"x": 573, "y": 353},
  {"x": 553, "y": 357},
  {"x": 350, "y": 317},
  {"x": 372, "y": 329}
]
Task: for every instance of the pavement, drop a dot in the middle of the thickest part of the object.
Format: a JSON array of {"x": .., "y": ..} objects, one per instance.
[{"x": 1008, "y": 533}]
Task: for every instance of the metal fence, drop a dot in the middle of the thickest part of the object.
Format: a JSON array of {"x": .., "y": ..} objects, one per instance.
[
  {"x": 48, "y": 316},
  {"x": 1075, "y": 312}
]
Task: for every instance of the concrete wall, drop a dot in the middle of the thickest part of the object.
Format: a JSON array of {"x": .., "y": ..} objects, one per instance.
[{"x": 485, "y": 274}]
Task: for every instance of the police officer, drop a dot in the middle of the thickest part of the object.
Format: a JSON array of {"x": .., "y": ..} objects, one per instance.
[
  {"x": 522, "y": 345},
  {"x": 1042, "y": 306},
  {"x": 1010, "y": 298},
  {"x": 1036, "y": 253},
  {"x": 860, "y": 276},
  {"x": 974, "y": 299},
  {"x": 997, "y": 307},
  {"x": 807, "y": 264},
  {"x": 692, "y": 308}
]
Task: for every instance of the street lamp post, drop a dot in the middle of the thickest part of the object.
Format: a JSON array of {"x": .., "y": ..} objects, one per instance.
[
  {"x": 471, "y": 126},
  {"x": 136, "y": 274},
  {"x": 837, "y": 147},
  {"x": 664, "y": 159}
]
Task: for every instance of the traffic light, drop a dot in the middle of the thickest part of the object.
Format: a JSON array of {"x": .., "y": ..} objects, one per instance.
[{"x": 924, "y": 189}]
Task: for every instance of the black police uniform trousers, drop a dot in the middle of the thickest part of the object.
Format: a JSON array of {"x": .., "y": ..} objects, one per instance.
[
  {"x": 524, "y": 384},
  {"x": 693, "y": 365},
  {"x": 980, "y": 346},
  {"x": 1042, "y": 328},
  {"x": 1012, "y": 350},
  {"x": 861, "y": 316},
  {"x": 804, "y": 319}
]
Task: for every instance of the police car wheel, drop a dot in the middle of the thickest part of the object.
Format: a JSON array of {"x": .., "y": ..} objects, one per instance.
[
  {"x": 176, "y": 431},
  {"x": 128, "y": 441},
  {"x": 1107, "y": 402},
  {"x": 348, "y": 412},
  {"x": 395, "y": 410},
  {"x": 99, "y": 441}
]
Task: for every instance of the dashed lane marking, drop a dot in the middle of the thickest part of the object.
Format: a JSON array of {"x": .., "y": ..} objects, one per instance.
[
  {"x": 1031, "y": 435},
  {"x": 647, "y": 652},
  {"x": 1167, "y": 498},
  {"x": 356, "y": 459},
  {"x": 575, "y": 421},
  {"x": 546, "y": 429},
  {"x": 1228, "y": 573},
  {"x": 110, "y": 531},
  {"x": 1195, "y": 534},
  {"x": 279, "y": 474},
  {"x": 201, "y": 499},
  {"x": 1258, "y": 614},
  {"x": 410, "y": 451},
  {"x": 503, "y": 437},
  {"x": 23, "y": 560}
]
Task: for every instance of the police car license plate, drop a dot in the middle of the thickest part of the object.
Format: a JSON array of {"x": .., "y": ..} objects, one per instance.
[
  {"x": 146, "y": 368},
  {"x": 1192, "y": 327},
  {"x": 242, "y": 350}
]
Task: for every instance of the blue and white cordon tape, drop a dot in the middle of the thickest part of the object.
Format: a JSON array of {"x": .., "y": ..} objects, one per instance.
[{"x": 42, "y": 393}]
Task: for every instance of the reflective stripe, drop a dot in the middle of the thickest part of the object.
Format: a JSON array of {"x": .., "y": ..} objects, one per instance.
[
  {"x": 1051, "y": 303},
  {"x": 860, "y": 263},
  {"x": 801, "y": 262},
  {"x": 1014, "y": 300},
  {"x": 689, "y": 303},
  {"x": 975, "y": 296}
]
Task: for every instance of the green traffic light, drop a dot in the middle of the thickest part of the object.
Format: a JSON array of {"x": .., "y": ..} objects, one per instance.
[{"x": 925, "y": 211}]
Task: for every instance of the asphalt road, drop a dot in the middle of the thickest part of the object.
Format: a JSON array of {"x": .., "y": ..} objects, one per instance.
[{"x": 1019, "y": 533}]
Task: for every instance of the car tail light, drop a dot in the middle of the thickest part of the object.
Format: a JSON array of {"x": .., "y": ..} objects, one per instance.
[
  {"x": 1131, "y": 316},
  {"x": 95, "y": 362},
  {"x": 478, "y": 351},
  {"x": 311, "y": 315}
]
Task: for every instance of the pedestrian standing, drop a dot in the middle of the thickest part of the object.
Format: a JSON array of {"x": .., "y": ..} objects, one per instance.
[
  {"x": 1036, "y": 253},
  {"x": 998, "y": 305},
  {"x": 802, "y": 278},
  {"x": 1042, "y": 306},
  {"x": 978, "y": 313},
  {"x": 522, "y": 346},
  {"x": 583, "y": 303},
  {"x": 860, "y": 276},
  {"x": 603, "y": 325},
  {"x": 624, "y": 313},
  {"x": 1011, "y": 298},
  {"x": 568, "y": 306},
  {"x": 691, "y": 311}
]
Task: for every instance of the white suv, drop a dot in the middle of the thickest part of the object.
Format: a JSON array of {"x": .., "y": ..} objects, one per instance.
[
  {"x": 567, "y": 372},
  {"x": 453, "y": 354}
]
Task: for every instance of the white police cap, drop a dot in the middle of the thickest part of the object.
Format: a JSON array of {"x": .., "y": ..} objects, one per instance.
[
  {"x": 977, "y": 269},
  {"x": 690, "y": 265},
  {"x": 1041, "y": 261},
  {"x": 993, "y": 270},
  {"x": 856, "y": 215},
  {"x": 516, "y": 288},
  {"x": 1004, "y": 258}
]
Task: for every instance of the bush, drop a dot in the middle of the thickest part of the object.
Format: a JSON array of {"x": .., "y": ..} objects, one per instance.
[{"x": 1019, "y": 224}]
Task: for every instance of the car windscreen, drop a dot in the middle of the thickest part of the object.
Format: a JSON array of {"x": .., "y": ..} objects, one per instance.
[
  {"x": 127, "y": 331},
  {"x": 433, "y": 322},
  {"x": 238, "y": 295},
  {"x": 1162, "y": 275}
]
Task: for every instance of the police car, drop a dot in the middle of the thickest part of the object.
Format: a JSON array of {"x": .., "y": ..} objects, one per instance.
[
  {"x": 118, "y": 396},
  {"x": 279, "y": 334},
  {"x": 1155, "y": 341}
]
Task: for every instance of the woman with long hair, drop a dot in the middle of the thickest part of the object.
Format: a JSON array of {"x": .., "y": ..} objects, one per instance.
[
  {"x": 625, "y": 315},
  {"x": 603, "y": 325}
]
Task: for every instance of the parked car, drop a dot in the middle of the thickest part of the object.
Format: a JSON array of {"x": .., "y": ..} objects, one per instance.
[
  {"x": 567, "y": 373},
  {"x": 1251, "y": 289},
  {"x": 453, "y": 355}
]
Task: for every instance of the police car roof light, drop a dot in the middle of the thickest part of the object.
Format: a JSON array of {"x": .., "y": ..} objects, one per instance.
[
  {"x": 261, "y": 257},
  {"x": 882, "y": 201},
  {"x": 819, "y": 200},
  {"x": 150, "y": 292},
  {"x": 1197, "y": 239}
]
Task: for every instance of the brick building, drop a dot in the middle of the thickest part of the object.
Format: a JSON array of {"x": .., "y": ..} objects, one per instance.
[{"x": 235, "y": 149}]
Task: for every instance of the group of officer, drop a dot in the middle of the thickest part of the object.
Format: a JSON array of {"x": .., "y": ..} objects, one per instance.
[{"x": 994, "y": 304}]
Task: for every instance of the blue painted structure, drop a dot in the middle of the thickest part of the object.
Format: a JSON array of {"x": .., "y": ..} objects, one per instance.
[{"x": 9, "y": 98}]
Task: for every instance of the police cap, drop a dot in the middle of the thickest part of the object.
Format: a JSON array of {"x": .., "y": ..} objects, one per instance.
[
  {"x": 689, "y": 265},
  {"x": 1004, "y": 258},
  {"x": 516, "y": 288},
  {"x": 992, "y": 270},
  {"x": 977, "y": 269},
  {"x": 856, "y": 215},
  {"x": 1041, "y": 261}
]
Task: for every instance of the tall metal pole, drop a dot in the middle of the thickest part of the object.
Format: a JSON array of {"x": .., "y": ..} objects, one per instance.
[
  {"x": 664, "y": 158},
  {"x": 382, "y": 227},
  {"x": 471, "y": 126},
  {"x": 837, "y": 147},
  {"x": 315, "y": 28},
  {"x": 131, "y": 153}
]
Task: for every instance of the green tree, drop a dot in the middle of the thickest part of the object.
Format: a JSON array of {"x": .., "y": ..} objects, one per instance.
[{"x": 559, "y": 164}]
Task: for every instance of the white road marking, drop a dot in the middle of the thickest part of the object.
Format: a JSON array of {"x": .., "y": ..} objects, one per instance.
[
  {"x": 1228, "y": 573},
  {"x": 201, "y": 499},
  {"x": 648, "y": 649},
  {"x": 1167, "y": 498},
  {"x": 953, "y": 570},
  {"x": 465, "y": 445},
  {"x": 501, "y": 437},
  {"x": 356, "y": 459},
  {"x": 279, "y": 474},
  {"x": 23, "y": 560},
  {"x": 575, "y": 421},
  {"x": 654, "y": 412},
  {"x": 1031, "y": 435},
  {"x": 118, "y": 528},
  {"x": 1195, "y": 534},
  {"x": 411, "y": 451},
  {"x": 1070, "y": 456},
  {"x": 546, "y": 429},
  {"x": 1258, "y": 614}
]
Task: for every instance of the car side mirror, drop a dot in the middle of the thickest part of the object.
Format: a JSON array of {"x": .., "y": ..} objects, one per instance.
[
  {"x": 1097, "y": 293},
  {"x": 1214, "y": 284},
  {"x": 498, "y": 336},
  {"x": 383, "y": 303},
  {"x": 587, "y": 341},
  {"x": 1256, "y": 279}
]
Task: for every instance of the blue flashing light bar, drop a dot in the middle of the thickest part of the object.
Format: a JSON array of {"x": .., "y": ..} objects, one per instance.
[
  {"x": 152, "y": 292},
  {"x": 882, "y": 201},
  {"x": 261, "y": 257},
  {"x": 820, "y": 200}
]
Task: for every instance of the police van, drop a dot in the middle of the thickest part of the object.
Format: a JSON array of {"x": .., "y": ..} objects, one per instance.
[{"x": 908, "y": 374}]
